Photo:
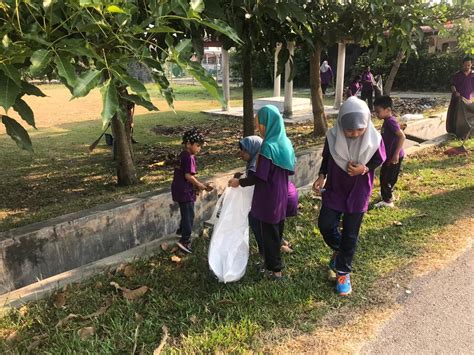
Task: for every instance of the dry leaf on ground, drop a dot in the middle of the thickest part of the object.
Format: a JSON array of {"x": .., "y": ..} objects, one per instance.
[
  {"x": 175, "y": 259},
  {"x": 129, "y": 271},
  {"x": 120, "y": 268},
  {"x": 12, "y": 337},
  {"x": 160, "y": 347},
  {"x": 59, "y": 300},
  {"x": 66, "y": 320},
  {"x": 135, "y": 294},
  {"x": 36, "y": 341},
  {"x": 193, "y": 319},
  {"x": 97, "y": 313},
  {"x": 23, "y": 311},
  {"x": 86, "y": 332},
  {"x": 397, "y": 223}
]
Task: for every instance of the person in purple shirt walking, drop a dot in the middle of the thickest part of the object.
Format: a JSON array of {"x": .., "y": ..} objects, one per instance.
[
  {"x": 184, "y": 185},
  {"x": 275, "y": 162},
  {"x": 367, "y": 90},
  {"x": 326, "y": 73},
  {"x": 393, "y": 139},
  {"x": 354, "y": 87},
  {"x": 352, "y": 151},
  {"x": 462, "y": 86}
]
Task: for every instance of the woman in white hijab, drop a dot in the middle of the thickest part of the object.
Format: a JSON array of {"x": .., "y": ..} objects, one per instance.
[
  {"x": 326, "y": 75},
  {"x": 352, "y": 151}
]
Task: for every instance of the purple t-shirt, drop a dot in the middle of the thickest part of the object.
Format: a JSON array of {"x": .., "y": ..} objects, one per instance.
[
  {"x": 367, "y": 81},
  {"x": 354, "y": 87},
  {"x": 349, "y": 194},
  {"x": 270, "y": 197},
  {"x": 326, "y": 77},
  {"x": 389, "y": 129},
  {"x": 464, "y": 84},
  {"x": 181, "y": 189},
  {"x": 292, "y": 207}
]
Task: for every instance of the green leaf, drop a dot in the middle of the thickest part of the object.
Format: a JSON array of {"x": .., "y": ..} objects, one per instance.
[
  {"x": 39, "y": 61},
  {"x": 17, "y": 133},
  {"x": 12, "y": 73},
  {"x": 140, "y": 101},
  {"x": 66, "y": 70},
  {"x": 133, "y": 83},
  {"x": 8, "y": 91},
  {"x": 184, "y": 46},
  {"x": 115, "y": 9},
  {"x": 86, "y": 82},
  {"x": 162, "y": 29},
  {"x": 30, "y": 89},
  {"x": 25, "y": 112},
  {"x": 109, "y": 102},
  {"x": 223, "y": 28},
  {"x": 197, "y": 5}
]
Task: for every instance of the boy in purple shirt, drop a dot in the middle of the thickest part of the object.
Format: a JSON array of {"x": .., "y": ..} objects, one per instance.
[
  {"x": 367, "y": 90},
  {"x": 275, "y": 162},
  {"x": 352, "y": 151},
  {"x": 393, "y": 139},
  {"x": 184, "y": 185}
]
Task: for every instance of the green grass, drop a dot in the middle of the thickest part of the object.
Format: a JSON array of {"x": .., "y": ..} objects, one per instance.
[
  {"x": 205, "y": 316},
  {"x": 63, "y": 177}
]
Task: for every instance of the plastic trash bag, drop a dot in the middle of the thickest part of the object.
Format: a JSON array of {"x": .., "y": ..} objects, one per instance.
[{"x": 229, "y": 247}]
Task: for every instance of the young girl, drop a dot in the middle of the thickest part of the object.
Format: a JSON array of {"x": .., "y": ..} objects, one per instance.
[
  {"x": 249, "y": 149},
  {"x": 352, "y": 151},
  {"x": 184, "y": 185},
  {"x": 275, "y": 162}
]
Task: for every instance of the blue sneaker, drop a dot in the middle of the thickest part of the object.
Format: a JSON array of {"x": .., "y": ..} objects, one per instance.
[
  {"x": 343, "y": 285},
  {"x": 332, "y": 267}
]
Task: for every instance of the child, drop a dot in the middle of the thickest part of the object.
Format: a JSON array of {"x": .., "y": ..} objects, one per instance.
[
  {"x": 354, "y": 87},
  {"x": 275, "y": 162},
  {"x": 352, "y": 151},
  {"x": 184, "y": 185},
  {"x": 393, "y": 139},
  {"x": 249, "y": 149}
]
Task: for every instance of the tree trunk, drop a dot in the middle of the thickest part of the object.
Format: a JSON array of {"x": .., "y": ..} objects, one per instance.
[
  {"x": 126, "y": 173},
  {"x": 319, "y": 117},
  {"x": 249, "y": 123},
  {"x": 393, "y": 73}
]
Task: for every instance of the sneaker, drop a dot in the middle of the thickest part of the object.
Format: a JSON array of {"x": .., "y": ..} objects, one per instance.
[
  {"x": 185, "y": 246},
  {"x": 383, "y": 204},
  {"x": 343, "y": 286},
  {"x": 332, "y": 267}
]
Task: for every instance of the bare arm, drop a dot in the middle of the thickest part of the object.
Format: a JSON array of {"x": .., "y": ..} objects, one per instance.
[{"x": 192, "y": 179}]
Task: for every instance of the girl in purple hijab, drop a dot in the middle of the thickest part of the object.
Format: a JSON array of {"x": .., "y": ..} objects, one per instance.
[{"x": 352, "y": 151}]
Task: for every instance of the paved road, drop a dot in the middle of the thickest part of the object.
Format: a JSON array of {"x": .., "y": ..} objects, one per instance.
[{"x": 438, "y": 316}]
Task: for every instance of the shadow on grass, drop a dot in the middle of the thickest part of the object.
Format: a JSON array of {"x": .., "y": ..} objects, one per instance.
[{"x": 203, "y": 315}]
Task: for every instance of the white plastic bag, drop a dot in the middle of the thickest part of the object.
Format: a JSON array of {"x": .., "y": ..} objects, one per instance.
[{"x": 229, "y": 247}]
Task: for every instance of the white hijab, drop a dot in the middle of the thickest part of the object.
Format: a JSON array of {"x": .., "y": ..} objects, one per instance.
[
  {"x": 324, "y": 67},
  {"x": 354, "y": 114}
]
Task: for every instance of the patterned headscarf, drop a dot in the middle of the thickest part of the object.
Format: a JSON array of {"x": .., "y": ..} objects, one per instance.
[{"x": 193, "y": 136}]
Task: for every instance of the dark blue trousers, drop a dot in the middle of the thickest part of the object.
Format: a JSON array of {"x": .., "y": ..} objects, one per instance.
[
  {"x": 187, "y": 220},
  {"x": 343, "y": 241}
]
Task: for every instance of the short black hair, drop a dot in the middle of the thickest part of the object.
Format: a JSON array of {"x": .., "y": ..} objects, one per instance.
[
  {"x": 384, "y": 102},
  {"x": 466, "y": 59},
  {"x": 193, "y": 136}
]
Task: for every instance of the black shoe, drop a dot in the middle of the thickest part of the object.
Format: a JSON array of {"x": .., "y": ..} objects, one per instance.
[{"x": 185, "y": 246}]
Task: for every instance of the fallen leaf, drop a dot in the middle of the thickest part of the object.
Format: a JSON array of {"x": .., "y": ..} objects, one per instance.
[
  {"x": 12, "y": 337},
  {"x": 397, "y": 223},
  {"x": 66, "y": 320},
  {"x": 98, "y": 285},
  {"x": 101, "y": 310},
  {"x": 36, "y": 341},
  {"x": 86, "y": 332},
  {"x": 160, "y": 347},
  {"x": 164, "y": 246},
  {"x": 59, "y": 300},
  {"x": 193, "y": 319},
  {"x": 129, "y": 271},
  {"x": 134, "y": 294},
  {"x": 120, "y": 268},
  {"x": 23, "y": 311},
  {"x": 175, "y": 259}
]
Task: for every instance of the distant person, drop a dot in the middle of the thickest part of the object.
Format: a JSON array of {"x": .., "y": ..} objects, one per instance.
[
  {"x": 367, "y": 90},
  {"x": 354, "y": 87},
  {"x": 184, "y": 185},
  {"x": 352, "y": 151},
  {"x": 393, "y": 139},
  {"x": 326, "y": 75},
  {"x": 462, "y": 86},
  {"x": 378, "y": 87}
]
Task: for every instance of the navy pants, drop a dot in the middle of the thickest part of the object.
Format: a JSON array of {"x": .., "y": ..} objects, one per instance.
[
  {"x": 187, "y": 220},
  {"x": 269, "y": 238},
  {"x": 388, "y": 179},
  {"x": 345, "y": 241},
  {"x": 368, "y": 96}
]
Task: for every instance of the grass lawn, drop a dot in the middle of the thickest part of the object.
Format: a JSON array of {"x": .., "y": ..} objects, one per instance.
[
  {"x": 202, "y": 315},
  {"x": 63, "y": 177}
]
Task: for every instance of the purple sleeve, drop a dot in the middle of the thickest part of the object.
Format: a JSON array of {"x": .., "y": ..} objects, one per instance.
[
  {"x": 378, "y": 158},
  {"x": 324, "y": 164},
  {"x": 263, "y": 168},
  {"x": 188, "y": 164},
  {"x": 393, "y": 125}
]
